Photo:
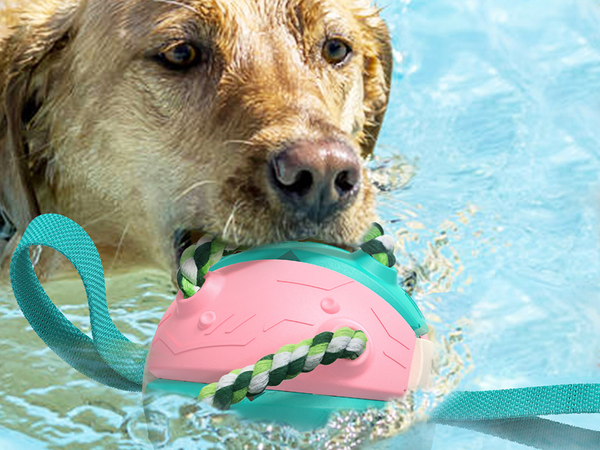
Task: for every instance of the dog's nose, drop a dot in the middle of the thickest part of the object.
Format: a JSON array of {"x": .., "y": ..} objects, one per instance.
[{"x": 317, "y": 178}]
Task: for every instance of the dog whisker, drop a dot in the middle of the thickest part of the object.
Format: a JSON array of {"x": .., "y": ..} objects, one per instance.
[
  {"x": 242, "y": 142},
  {"x": 120, "y": 245},
  {"x": 231, "y": 218},
  {"x": 279, "y": 230},
  {"x": 238, "y": 205},
  {"x": 182, "y": 5},
  {"x": 237, "y": 236},
  {"x": 192, "y": 187},
  {"x": 100, "y": 217}
]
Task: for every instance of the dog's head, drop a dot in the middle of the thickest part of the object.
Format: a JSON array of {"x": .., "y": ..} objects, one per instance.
[{"x": 245, "y": 118}]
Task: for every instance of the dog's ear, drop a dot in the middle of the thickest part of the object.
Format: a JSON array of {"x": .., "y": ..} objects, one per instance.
[
  {"x": 378, "y": 63},
  {"x": 28, "y": 69}
]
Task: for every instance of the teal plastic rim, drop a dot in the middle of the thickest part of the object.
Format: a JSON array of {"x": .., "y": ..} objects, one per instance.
[{"x": 302, "y": 411}]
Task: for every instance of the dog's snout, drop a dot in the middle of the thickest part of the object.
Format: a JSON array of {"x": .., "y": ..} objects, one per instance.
[{"x": 316, "y": 178}]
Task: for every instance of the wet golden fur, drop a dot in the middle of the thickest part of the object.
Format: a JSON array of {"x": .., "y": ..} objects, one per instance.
[{"x": 91, "y": 127}]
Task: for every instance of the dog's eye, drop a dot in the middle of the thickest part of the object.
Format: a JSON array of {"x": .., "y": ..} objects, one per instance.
[
  {"x": 336, "y": 51},
  {"x": 180, "y": 56}
]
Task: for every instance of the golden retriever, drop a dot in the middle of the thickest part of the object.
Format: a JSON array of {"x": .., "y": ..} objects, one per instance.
[{"x": 143, "y": 120}]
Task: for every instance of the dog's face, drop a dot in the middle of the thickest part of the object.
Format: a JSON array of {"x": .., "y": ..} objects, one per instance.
[{"x": 244, "y": 118}]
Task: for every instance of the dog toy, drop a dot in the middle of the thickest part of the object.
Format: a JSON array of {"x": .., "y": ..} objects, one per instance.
[
  {"x": 304, "y": 305},
  {"x": 336, "y": 329}
]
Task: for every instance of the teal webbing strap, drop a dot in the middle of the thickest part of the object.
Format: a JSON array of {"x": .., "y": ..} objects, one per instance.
[
  {"x": 517, "y": 403},
  {"x": 535, "y": 432},
  {"x": 110, "y": 357},
  {"x": 511, "y": 414}
]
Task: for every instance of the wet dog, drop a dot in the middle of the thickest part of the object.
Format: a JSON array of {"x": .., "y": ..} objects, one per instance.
[{"x": 144, "y": 120}]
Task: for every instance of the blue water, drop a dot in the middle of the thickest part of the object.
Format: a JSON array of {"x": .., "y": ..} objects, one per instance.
[
  {"x": 498, "y": 106},
  {"x": 496, "y": 109}
]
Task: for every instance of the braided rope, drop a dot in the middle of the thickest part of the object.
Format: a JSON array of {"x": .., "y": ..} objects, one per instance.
[
  {"x": 287, "y": 363},
  {"x": 197, "y": 259},
  {"x": 379, "y": 245}
]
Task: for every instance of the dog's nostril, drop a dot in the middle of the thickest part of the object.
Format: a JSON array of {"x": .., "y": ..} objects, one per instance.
[
  {"x": 316, "y": 177},
  {"x": 301, "y": 185},
  {"x": 290, "y": 178},
  {"x": 344, "y": 183}
]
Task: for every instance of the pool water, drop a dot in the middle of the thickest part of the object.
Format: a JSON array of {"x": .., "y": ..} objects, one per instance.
[
  {"x": 498, "y": 106},
  {"x": 489, "y": 163}
]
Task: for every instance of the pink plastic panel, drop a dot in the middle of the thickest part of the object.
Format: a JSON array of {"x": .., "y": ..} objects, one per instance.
[{"x": 249, "y": 310}]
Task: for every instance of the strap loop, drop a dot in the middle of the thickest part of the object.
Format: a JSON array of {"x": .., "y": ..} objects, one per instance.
[{"x": 109, "y": 358}]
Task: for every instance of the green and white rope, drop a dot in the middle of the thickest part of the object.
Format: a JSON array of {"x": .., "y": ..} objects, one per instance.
[
  {"x": 287, "y": 363},
  {"x": 197, "y": 259},
  {"x": 379, "y": 245}
]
